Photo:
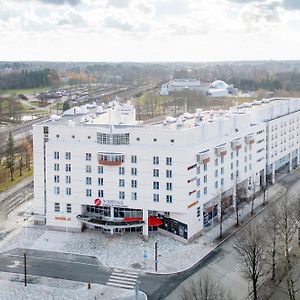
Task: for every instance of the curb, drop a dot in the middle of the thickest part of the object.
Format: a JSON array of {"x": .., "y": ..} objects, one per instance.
[{"x": 223, "y": 241}]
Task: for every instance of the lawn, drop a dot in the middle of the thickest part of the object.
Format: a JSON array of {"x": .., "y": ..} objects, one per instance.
[
  {"x": 11, "y": 92},
  {"x": 5, "y": 181}
]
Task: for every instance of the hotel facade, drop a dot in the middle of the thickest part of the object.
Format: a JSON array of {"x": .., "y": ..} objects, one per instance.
[{"x": 97, "y": 167}]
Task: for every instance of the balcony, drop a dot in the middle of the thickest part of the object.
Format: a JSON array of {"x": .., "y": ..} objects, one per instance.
[
  {"x": 221, "y": 150},
  {"x": 249, "y": 138},
  {"x": 236, "y": 144},
  {"x": 110, "y": 159},
  {"x": 203, "y": 157}
]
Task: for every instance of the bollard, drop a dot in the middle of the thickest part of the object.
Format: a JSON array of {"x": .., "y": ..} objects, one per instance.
[{"x": 89, "y": 286}]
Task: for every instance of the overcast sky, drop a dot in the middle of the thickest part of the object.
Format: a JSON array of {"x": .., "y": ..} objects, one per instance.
[{"x": 149, "y": 30}]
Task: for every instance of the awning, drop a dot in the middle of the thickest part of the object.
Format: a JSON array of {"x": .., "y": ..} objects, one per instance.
[
  {"x": 152, "y": 221},
  {"x": 128, "y": 220}
]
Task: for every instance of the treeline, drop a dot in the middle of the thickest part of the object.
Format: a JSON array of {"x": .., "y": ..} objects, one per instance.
[
  {"x": 29, "y": 79},
  {"x": 129, "y": 73}
]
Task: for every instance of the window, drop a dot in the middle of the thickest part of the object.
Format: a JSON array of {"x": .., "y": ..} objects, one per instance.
[
  {"x": 198, "y": 212},
  {"x": 68, "y": 191},
  {"x": 68, "y": 155},
  {"x": 205, "y": 191},
  {"x": 155, "y": 173},
  {"x": 121, "y": 182},
  {"x": 56, "y": 155},
  {"x": 231, "y": 176},
  {"x": 88, "y": 192},
  {"x": 205, "y": 167},
  {"x": 56, "y": 190},
  {"x": 100, "y": 193},
  {"x": 156, "y": 185},
  {"x": 169, "y": 161},
  {"x": 113, "y": 139},
  {"x": 68, "y": 179},
  {"x": 133, "y": 183},
  {"x": 88, "y": 156},
  {"x": 56, "y": 207},
  {"x": 222, "y": 181},
  {"x": 231, "y": 155},
  {"x": 121, "y": 170},
  {"x": 154, "y": 140},
  {"x": 88, "y": 169},
  {"x": 133, "y": 159},
  {"x": 69, "y": 208},
  {"x": 100, "y": 169},
  {"x": 198, "y": 181},
  {"x": 222, "y": 159},
  {"x": 56, "y": 167},
  {"x": 73, "y": 136},
  {"x": 205, "y": 179},
  {"x": 155, "y": 160},
  {"x": 250, "y": 167},
  {"x": 121, "y": 195},
  {"x": 245, "y": 159},
  {"x": 156, "y": 197},
  {"x": 169, "y": 173},
  {"x": 245, "y": 169},
  {"x": 198, "y": 194},
  {"x": 169, "y": 186},
  {"x": 198, "y": 169},
  {"x": 56, "y": 178},
  {"x": 216, "y": 173},
  {"x": 231, "y": 166},
  {"x": 216, "y": 162},
  {"x": 68, "y": 167},
  {"x": 172, "y": 140},
  {"x": 88, "y": 180},
  {"x": 57, "y": 136},
  {"x": 222, "y": 170},
  {"x": 134, "y": 196},
  {"x": 216, "y": 184},
  {"x": 100, "y": 181},
  {"x": 89, "y": 137},
  {"x": 169, "y": 198},
  {"x": 237, "y": 163},
  {"x": 133, "y": 171}
]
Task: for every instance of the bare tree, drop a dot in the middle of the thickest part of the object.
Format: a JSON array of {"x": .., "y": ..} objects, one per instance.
[
  {"x": 287, "y": 227},
  {"x": 250, "y": 246},
  {"x": 253, "y": 190},
  {"x": 204, "y": 289},
  {"x": 221, "y": 209},
  {"x": 271, "y": 227}
]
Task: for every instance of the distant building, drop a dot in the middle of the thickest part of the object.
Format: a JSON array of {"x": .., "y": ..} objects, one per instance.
[
  {"x": 218, "y": 88},
  {"x": 178, "y": 85}
]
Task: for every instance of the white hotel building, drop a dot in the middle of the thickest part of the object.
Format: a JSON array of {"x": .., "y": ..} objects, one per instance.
[{"x": 165, "y": 176}]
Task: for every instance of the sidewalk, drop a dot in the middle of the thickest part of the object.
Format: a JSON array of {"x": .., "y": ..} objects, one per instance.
[
  {"x": 272, "y": 194},
  {"x": 127, "y": 252}
]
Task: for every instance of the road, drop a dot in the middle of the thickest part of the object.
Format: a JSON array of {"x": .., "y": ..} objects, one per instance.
[{"x": 221, "y": 264}]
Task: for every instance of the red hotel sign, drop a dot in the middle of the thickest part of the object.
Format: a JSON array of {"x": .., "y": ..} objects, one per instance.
[{"x": 97, "y": 202}]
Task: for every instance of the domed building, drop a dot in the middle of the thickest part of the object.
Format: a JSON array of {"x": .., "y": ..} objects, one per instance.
[{"x": 220, "y": 88}]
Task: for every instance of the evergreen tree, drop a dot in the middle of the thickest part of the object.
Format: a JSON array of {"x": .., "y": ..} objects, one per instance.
[
  {"x": 66, "y": 106},
  {"x": 10, "y": 155}
]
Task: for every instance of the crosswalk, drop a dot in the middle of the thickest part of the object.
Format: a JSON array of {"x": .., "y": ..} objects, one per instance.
[{"x": 123, "y": 279}]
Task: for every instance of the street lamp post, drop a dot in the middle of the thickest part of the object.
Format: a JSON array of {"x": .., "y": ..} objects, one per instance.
[{"x": 155, "y": 256}]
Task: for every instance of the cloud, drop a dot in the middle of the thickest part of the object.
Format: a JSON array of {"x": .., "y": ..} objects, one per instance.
[
  {"x": 118, "y": 3},
  {"x": 61, "y": 2},
  {"x": 116, "y": 23}
]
